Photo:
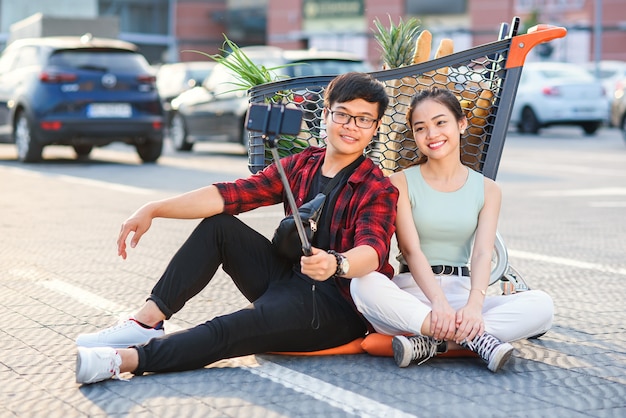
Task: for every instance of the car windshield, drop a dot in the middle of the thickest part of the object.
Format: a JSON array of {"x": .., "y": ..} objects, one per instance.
[
  {"x": 325, "y": 67},
  {"x": 100, "y": 60},
  {"x": 199, "y": 73}
]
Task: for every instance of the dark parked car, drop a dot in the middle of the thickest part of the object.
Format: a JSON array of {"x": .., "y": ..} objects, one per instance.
[
  {"x": 215, "y": 111},
  {"x": 78, "y": 91}
]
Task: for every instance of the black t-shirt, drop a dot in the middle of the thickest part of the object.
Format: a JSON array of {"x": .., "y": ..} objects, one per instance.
[{"x": 321, "y": 239}]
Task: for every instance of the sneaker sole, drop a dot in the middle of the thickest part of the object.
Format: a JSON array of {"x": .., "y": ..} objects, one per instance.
[
  {"x": 501, "y": 357},
  {"x": 94, "y": 344},
  {"x": 102, "y": 344},
  {"x": 401, "y": 351}
]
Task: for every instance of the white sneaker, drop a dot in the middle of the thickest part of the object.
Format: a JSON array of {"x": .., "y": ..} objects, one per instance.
[
  {"x": 125, "y": 334},
  {"x": 97, "y": 364}
]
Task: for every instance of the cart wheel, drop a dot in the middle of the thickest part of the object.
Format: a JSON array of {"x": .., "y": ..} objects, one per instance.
[
  {"x": 499, "y": 260},
  {"x": 529, "y": 124}
]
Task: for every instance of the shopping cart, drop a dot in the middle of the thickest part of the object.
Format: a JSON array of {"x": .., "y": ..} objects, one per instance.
[{"x": 485, "y": 79}]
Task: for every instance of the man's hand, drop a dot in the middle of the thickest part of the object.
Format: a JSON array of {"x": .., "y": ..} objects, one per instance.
[
  {"x": 319, "y": 266},
  {"x": 138, "y": 223}
]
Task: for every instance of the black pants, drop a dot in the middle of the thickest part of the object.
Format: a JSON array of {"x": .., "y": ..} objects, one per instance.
[{"x": 278, "y": 319}]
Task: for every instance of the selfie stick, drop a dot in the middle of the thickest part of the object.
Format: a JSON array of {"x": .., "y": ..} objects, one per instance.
[{"x": 272, "y": 143}]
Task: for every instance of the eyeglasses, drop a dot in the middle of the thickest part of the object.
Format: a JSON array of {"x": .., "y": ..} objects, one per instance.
[{"x": 342, "y": 118}]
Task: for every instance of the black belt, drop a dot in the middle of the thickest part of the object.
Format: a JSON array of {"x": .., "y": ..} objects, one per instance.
[
  {"x": 450, "y": 270},
  {"x": 442, "y": 270}
]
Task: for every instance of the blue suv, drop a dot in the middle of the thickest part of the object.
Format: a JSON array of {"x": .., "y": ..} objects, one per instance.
[{"x": 82, "y": 92}]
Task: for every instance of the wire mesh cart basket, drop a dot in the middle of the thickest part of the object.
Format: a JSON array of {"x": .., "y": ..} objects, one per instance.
[{"x": 484, "y": 78}]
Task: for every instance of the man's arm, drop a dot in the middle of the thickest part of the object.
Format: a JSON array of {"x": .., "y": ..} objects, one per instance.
[{"x": 200, "y": 203}]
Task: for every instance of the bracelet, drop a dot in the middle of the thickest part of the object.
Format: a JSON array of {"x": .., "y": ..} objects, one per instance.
[{"x": 480, "y": 290}]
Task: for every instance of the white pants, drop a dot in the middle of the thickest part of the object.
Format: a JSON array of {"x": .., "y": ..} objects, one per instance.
[{"x": 399, "y": 306}]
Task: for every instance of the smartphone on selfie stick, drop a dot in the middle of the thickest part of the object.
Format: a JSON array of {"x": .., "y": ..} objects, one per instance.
[{"x": 273, "y": 120}]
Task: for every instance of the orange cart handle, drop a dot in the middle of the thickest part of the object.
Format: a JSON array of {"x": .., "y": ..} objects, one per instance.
[{"x": 522, "y": 44}]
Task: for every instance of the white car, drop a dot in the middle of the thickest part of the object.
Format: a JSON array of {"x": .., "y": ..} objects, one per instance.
[{"x": 558, "y": 93}]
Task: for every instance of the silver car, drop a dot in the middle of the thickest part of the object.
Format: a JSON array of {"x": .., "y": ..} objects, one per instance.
[
  {"x": 216, "y": 110},
  {"x": 559, "y": 93}
]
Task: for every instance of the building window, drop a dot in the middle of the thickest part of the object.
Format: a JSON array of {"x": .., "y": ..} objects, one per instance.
[{"x": 439, "y": 7}]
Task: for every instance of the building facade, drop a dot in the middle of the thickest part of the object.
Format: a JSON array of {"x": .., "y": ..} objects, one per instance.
[{"x": 181, "y": 30}]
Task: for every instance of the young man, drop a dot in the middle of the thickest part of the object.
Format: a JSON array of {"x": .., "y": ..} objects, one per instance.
[{"x": 304, "y": 306}]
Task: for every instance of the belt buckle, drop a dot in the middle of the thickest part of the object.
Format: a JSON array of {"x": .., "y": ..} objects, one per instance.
[{"x": 445, "y": 271}]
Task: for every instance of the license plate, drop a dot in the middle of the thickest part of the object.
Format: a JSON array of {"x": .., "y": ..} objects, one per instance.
[{"x": 109, "y": 110}]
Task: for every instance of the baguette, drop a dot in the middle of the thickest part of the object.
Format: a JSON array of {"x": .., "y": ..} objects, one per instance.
[
  {"x": 422, "y": 47},
  {"x": 446, "y": 47}
]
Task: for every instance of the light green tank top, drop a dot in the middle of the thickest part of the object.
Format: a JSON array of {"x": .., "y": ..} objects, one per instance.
[{"x": 445, "y": 222}]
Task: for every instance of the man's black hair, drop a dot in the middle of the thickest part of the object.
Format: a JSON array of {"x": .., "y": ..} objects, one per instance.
[{"x": 355, "y": 85}]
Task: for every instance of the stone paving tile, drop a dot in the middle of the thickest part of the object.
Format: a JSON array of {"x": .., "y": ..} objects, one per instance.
[{"x": 578, "y": 369}]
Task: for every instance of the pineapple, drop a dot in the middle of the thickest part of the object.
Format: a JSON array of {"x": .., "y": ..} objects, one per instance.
[{"x": 396, "y": 42}]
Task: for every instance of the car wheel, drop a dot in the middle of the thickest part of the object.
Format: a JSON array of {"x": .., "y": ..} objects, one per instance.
[
  {"x": 28, "y": 149},
  {"x": 623, "y": 127},
  {"x": 149, "y": 151},
  {"x": 83, "y": 150},
  {"x": 590, "y": 128},
  {"x": 529, "y": 124},
  {"x": 178, "y": 133}
]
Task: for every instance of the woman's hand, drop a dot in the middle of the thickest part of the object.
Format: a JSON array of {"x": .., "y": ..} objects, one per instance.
[
  {"x": 138, "y": 223},
  {"x": 469, "y": 323},
  {"x": 319, "y": 266},
  {"x": 442, "y": 323}
]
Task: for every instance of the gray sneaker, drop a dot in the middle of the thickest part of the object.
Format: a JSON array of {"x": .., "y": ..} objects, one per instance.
[
  {"x": 417, "y": 348},
  {"x": 493, "y": 351},
  {"x": 97, "y": 364},
  {"x": 125, "y": 334}
]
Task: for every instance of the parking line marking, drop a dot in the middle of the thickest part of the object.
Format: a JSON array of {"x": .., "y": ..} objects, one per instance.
[
  {"x": 337, "y": 397},
  {"x": 541, "y": 168},
  {"x": 617, "y": 204},
  {"x": 602, "y": 191},
  {"x": 84, "y": 296},
  {"x": 566, "y": 262},
  {"x": 105, "y": 184},
  {"x": 84, "y": 181}
]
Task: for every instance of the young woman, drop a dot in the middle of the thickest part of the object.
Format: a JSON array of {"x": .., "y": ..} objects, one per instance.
[{"x": 446, "y": 212}]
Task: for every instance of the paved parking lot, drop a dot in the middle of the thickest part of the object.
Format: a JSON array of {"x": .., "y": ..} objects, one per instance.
[{"x": 562, "y": 220}]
